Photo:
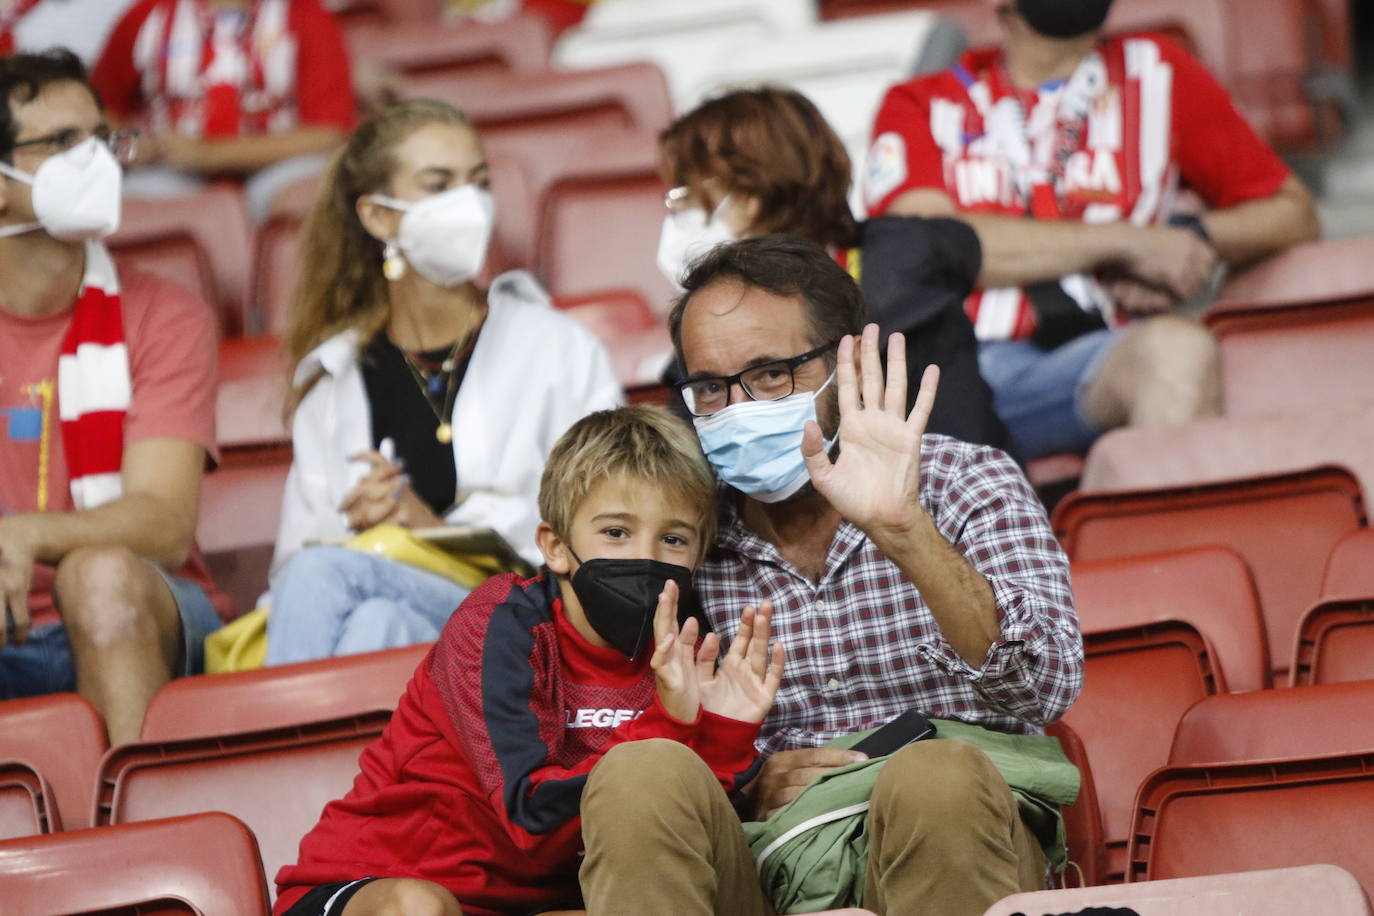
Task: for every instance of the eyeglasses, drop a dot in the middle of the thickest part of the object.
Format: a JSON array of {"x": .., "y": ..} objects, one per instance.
[
  {"x": 122, "y": 143},
  {"x": 767, "y": 382}
]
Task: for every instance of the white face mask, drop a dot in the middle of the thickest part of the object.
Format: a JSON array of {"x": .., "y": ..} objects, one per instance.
[
  {"x": 687, "y": 235},
  {"x": 445, "y": 236},
  {"x": 75, "y": 193}
]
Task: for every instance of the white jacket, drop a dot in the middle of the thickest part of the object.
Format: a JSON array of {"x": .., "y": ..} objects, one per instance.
[{"x": 533, "y": 373}]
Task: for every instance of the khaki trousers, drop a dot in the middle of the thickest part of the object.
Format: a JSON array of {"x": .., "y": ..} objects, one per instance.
[{"x": 945, "y": 837}]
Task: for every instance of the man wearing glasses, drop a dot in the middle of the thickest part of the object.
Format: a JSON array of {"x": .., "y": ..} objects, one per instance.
[
  {"x": 107, "y": 396},
  {"x": 906, "y": 571}
]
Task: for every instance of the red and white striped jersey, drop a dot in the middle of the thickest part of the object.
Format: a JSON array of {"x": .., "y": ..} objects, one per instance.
[{"x": 1138, "y": 119}]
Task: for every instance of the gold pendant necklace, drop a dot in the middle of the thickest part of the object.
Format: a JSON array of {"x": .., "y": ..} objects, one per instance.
[{"x": 444, "y": 431}]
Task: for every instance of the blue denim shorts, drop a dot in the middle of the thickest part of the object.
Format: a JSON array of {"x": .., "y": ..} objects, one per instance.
[
  {"x": 1039, "y": 393},
  {"x": 44, "y": 663}
]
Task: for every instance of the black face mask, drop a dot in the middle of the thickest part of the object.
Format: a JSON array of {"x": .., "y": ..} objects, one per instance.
[
  {"x": 1064, "y": 18},
  {"x": 619, "y": 598}
]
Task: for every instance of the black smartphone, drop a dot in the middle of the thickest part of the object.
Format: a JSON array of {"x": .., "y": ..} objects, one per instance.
[{"x": 895, "y": 735}]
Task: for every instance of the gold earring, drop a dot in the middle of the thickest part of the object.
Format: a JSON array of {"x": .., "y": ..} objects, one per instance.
[{"x": 393, "y": 265}]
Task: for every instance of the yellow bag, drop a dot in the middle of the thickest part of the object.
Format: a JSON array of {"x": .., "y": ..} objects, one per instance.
[{"x": 242, "y": 644}]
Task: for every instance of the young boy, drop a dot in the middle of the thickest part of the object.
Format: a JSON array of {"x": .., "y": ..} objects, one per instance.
[{"x": 472, "y": 793}]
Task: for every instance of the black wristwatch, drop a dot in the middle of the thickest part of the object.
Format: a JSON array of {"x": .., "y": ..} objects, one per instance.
[{"x": 1193, "y": 222}]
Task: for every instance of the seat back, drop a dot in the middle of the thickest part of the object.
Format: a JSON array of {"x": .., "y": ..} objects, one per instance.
[
  {"x": 1267, "y": 724},
  {"x": 519, "y": 44},
  {"x": 240, "y": 510},
  {"x": 197, "y": 240},
  {"x": 1082, "y": 819},
  {"x": 61, "y": 737},
  {"x": 279, "y": 697},
  {"x": 1152, "y": 628},
  {"x": 1305, "y": 889},
  {"x": 1350, "y": 568},
  {"x": 249, "y": 401},
  {"x": 1218, "y": 818},
  {"x": 1335, "y": 642},
  {"x": 206, "y": 864},
  {"x": 25, "y": 800},
  {"x": 277, "y": 781},
  {"x": 636, "y": 339},
  {"x": 1284, "y": 526}
]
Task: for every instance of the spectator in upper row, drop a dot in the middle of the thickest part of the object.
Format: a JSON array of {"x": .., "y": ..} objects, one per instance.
[
  {"x": 107, "y": 417},
  {"x": 80, "y": 26},
  {"x": 764, "y": 160},
  {"x": 257, "y": 89},
  {"x": 1065, "y": 152},
  {"x": 420, "y": 398}
]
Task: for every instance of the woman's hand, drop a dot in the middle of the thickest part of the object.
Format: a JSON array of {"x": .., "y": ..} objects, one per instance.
[
  {"x": 747, "y": 679},
  {"x": 675, "y": 671},
  {"x": 384, "y": 497}
]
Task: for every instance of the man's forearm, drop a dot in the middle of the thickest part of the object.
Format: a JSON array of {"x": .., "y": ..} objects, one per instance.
[
  {"x": 1258, "y": 228},
  {"x": 142, "y": 523},
  {"x": 1018, "y": 251},
  {"x": 959, "y": 597},
  {"x": 249, "y": 154}
]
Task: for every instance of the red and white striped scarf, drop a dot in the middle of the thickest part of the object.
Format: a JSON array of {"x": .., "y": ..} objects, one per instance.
[{"x": 94, "y": 386}]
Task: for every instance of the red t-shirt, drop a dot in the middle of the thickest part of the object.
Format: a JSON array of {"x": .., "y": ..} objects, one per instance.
[
  {"x": 183, "y": 66},
  {"x": 1112, "y": 143},
  {"x": 170, "y": 337},
  {"x": 477, "y": 781}
]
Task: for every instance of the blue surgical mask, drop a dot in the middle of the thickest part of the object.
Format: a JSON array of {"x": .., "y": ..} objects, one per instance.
[{"x": 755, "y": 446}]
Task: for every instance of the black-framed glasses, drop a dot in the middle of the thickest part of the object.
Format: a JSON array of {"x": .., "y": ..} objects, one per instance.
[
  {"x": 122, "y": 143},
  {"x": 770, "y": 381}
]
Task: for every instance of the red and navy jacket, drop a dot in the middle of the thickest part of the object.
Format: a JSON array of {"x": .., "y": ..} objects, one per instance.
[{"x": 476, "y": 782}]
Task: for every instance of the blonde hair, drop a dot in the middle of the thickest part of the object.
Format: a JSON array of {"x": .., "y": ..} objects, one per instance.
[
  {"x": 646, "y": 443},
  {"x": 341, "y": 284}
]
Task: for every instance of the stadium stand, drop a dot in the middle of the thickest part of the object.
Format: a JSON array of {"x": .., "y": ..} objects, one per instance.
[
  {"x": 240, "y": 508},
  {"x": 1350, "y": 568},
  {"x": 1270, "y": 724},
  {"x": 1165, "y": 630},
  {"x": 520, "y": 44},
  {"x": 61, "y": 737},
  {"x": 204, "y": 864},
  {"x": 25, "y": 800},
  {"x": 276, "y": 781},
  {"x": 288, "y": 695},
  {"x": 1217, "y": 818},
  {"x": 1283, "y": 525},
  {"x": 637, "y": 340},
  {"x": 1305, "y": 889},
  {"x": 1082, "y": 819},
  {"x": 1335, "y": 642}
]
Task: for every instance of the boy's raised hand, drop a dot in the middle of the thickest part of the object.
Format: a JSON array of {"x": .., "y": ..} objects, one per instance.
[
  {"x": 747, "y": 679},
  {"x": 674, "y": 667}
]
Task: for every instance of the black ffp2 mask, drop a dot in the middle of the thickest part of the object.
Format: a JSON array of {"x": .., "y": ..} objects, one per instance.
[
  {"x": 619, "y": 598},
  {"x": 1064, "y": 18}
]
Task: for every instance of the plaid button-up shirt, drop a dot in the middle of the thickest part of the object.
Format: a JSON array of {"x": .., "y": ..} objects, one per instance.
[{"x": 863, "y": 647}]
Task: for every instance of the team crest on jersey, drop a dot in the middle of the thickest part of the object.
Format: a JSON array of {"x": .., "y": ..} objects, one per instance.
[{"x": 885, "y": 170}]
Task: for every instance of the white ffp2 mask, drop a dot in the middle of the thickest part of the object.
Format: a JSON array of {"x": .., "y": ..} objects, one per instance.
[
  {"x": 445, "y": 236},
  {"x": 75, "y": 193},
  {"x": 687, "y": 235}
]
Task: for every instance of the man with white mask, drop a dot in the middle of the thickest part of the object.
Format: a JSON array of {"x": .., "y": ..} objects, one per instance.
[
  {"x": 908, "y": 571},
  {"x": 107, "y": 393}
]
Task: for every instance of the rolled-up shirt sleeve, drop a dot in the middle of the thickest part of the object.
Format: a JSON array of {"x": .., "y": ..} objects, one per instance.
[{"x": 1034, "y": 669}]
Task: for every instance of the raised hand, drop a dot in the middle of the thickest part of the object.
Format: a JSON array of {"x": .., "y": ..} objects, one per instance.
[
  {"x": 876, "y": 482},
  {"x": 675, "y": 673},
  {"x": 742, "y": 687}
]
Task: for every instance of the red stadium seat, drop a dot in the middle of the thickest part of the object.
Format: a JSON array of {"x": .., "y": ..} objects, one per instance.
[
  {"x": 277, "y": 782},
  {"x": 1350, "y": 568},
  {"x": 216, "y": 704},
  {"x": 1284, "y": 526},
  {"x": 61, "y": 737},
  {"x": 516, "y": 45},
  {"x": 252, "y": 385},
  {"x": 240, "y": 508},
  {"x": 1218, "y": 818},
  {"x": 1310, "y": 310},
  {"x": 25, "y": 799},
  {"x": 198, "y": 240},
  {"x": 1269, "y": 724},
  {"x": 1305, "y": 889},
  {"x": 635, "y": 337},
  {"x": 206, "y": 864},
  {"x": 1335, "y": 642},
  {"x": 1164, "y": 630},
  {"x": 1082, "y": 819}
]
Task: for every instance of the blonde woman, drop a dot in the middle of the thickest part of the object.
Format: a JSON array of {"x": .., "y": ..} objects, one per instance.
[{"x": 418, "y": 397}]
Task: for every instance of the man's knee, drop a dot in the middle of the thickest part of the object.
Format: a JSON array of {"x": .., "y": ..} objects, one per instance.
[
  {"x": 944, "y": 780},
  {"x": 1171, "y": 346},
  {"x": 645, "y": 766},
  {"x": 413, "y": 897},
  {"x": 106, "y": 595}
]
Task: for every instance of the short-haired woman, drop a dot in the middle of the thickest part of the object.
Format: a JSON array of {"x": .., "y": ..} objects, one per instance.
[{"x": 418, "y": 397}]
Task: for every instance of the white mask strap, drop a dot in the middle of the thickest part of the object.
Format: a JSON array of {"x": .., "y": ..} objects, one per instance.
[
  {"x": 12, "y": 172},
  {"x": 392, "y": 203},
  {"x": 18, "y": 228}
]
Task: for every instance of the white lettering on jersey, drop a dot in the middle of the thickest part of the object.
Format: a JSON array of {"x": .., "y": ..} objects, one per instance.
[
  {"x": 599, "y": 718},
  {"x": 981, "y": 181},
  {"x": 885, "y": 170}
]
